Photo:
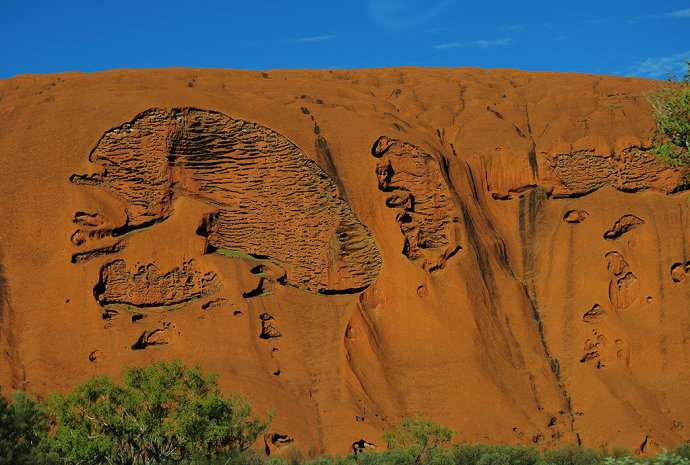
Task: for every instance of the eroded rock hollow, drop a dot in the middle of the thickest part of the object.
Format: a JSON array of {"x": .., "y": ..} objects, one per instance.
[{"x": 270, "y": 200}]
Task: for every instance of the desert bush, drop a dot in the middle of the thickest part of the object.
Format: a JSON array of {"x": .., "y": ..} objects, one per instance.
[
  {"x": 615, "y": 452},
  {"x": 162, "y": 413},
  {"x": 670, "y": 458},
  {"x": 439, "y": 456},
  {"x": 388, "y": 457},
  {"x": 328, "y": 459},
  {"x": 22, "y": 427},
  {"x": 275, "y": 461},
  {"x": 571, "y": 455},
  {"x": 468, "y": 454},
  {"x": 416, "y": 436},
  {"x": 472, "y": 454},
  {"x": 682, "y": 450},
  {"x": 665, "y": 458},
  {"x": 509, "y": 455},
  {"x": 671, "y": 106},
  {"x": 171, "y": 414}
]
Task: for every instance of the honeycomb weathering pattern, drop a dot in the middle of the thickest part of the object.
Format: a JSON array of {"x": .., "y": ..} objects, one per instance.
[
  {"x": 583, "y": 171},
  {"x": 146, "y": 286},
  {"x": 418, "y": 190},
  {"x": 270, "y": 199}
]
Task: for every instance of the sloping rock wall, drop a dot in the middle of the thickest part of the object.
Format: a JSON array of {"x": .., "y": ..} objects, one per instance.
[{"x": 498, "y": 249}]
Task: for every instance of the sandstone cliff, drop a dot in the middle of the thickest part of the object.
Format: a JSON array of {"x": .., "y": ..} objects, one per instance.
[{"x": 498, "y": 249}]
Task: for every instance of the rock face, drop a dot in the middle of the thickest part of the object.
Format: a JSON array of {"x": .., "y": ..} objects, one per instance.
[
  {"x": 498, "y": 249},
  {"x": 270, "y": 199},
  {"x": 146, "y": 287},
  {"x": 421, "y": 198}
]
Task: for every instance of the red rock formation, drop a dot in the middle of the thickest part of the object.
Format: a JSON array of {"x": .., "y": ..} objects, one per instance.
[
  {"x": 267, "y": 193},
  {"x": 511, "y": 260},
  {"x": 421, "y": 197}
]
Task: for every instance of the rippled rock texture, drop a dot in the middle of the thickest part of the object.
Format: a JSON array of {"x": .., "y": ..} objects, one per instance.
[{"x": 270, "y": 199}]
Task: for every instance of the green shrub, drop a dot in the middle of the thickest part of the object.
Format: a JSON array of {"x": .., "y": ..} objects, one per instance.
[
  {"x": 682, "y": 450},
  {"x": 439, "y": 456},
  {"x": 417, "y": 435},
  {"x": 165, "y": 412},
  {"x": 468, "y": 454},
  {"x": 22, "y": 427},
  {"x": 247, "y": 457},
  {"x": 623, "y": 460},
  {"x": 368, "y": 458},
  {"x": 171, "y": 414},
  {"x": 572, "y": 455},
  {"x": 407, "y": 456},
  {"x": 671, "y": 106},
  {"x": 275, "y": 461},
  {"x": 325, "y": 459},
  {"x": 328, "y": 459},
  {"x": 616, "y": 452},
  {"x": 509, "y": 455},
  {"x": 672, "y": 458}
]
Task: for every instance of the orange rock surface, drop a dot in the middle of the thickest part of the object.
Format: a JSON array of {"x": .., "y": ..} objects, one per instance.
[{"x": 496, "y": 248}]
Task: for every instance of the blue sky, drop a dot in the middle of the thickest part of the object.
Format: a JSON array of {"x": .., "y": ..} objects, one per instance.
[{"x": 628, "y": 38}]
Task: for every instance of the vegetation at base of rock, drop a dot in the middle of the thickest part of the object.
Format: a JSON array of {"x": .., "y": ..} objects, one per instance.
[
  {"x": 163, "y": 413},
  {"x": 483, "y": 454},
  {"x": 671, "y": 138},
  {"x": 169, "y": 413},
  {"x": 22, "y": 428},
  {"x": 418, "y": 436}
]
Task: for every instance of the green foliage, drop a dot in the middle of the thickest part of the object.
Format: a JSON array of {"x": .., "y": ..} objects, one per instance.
[
  {"x": 418, "y": 435},
  {"x": 275, "y": 461},
  {"x": 22, "y": 426},
  {"x": 483, "y": 454},
  {"x": 247, "y": 457},
  {"x": 333, "y": 460},
  {"x": 511, "y": 455},
  {"x": 469, "y": 454},
  {"x": 671, "y": 105},
  {"x": 665, "y": 458},
  {"x": 682, "y": 450},
  {"x": 171, "y": 414},
  {"x": 388, "y": 457},
  {"x": 234, "y": 254},
  {"x": 616, "y": 452},
  {"x": 163, "y": 412},
  {"x": 572, "y": 455}
]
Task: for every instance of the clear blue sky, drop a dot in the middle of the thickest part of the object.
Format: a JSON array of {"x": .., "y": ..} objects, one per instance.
[{"x": 629, "y": 38}]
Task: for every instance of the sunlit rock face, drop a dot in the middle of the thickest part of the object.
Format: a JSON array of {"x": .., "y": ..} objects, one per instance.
[{"x": 498, "y": 249}]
